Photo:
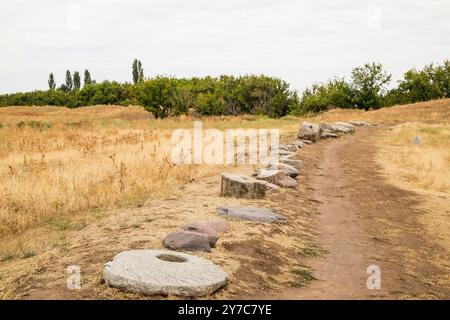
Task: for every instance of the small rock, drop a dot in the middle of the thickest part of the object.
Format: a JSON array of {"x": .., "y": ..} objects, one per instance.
[
  {"x": 162, "y": 272},
  {"x": 309, "y": 131},
  {"x": 251, "y": 214},
  {"x": 325, "y": 126},
  {"x": 277, "y": 177},
  {"x": 190, "y": 241},
  {"x": 287, "y": 169},
  {"x": 417, "y": 141},
  {"x": 208, "y": 227},
  {"x": 300, "y": 144},
  {"x": 307, "y": 141}
]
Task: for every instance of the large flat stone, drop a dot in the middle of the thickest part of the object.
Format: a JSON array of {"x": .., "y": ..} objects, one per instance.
[
  {"x": 277, "y": 177},
  {"x": 251, "y": 214},
  {"x": 162, "y": 272}
]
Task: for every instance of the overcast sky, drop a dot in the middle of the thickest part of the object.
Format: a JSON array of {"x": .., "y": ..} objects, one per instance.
[{"x": 300, "y": 41}]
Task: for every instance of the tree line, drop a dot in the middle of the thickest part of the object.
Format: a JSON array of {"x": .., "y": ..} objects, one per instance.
[{"x": 164, "y": 96}]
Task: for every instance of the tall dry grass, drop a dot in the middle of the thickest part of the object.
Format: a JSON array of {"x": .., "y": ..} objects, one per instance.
[
  {"x": 55, "y": 160},
  {"x": 425, "y": 166}
]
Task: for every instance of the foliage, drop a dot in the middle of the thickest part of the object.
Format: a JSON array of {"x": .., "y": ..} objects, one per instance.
[
  {"x": 76, "y": 80},
  {"x": 51, "y": 82},
  {"x": 137, "y": 71}
]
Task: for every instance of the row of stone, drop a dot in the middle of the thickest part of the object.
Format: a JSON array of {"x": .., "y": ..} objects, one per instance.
[{"x": 166, "y": 272}]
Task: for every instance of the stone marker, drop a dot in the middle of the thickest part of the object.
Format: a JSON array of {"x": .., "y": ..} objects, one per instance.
[
  {"x": 212, "y": 227},
  {"x": 162, "y": 272},
  {"x": 309, "y": 131},
  {"x": 287, "y": 169},
  {"x": 417, "y": 141},
  {"x": 242, "y": 186},
  {"x": 277, "y": 177},
  {"x": 251, "y": 214},
  {"x": 190, "y": 241}
]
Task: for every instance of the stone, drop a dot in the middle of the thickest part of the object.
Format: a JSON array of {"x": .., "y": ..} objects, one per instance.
[
  {"x": 309, "y": 131},
  {"x": 345, "y": 124},
  {"x": 277, "y": 177},
  {"x": 287, "y": 169},
  {"x": 282, "y": 152},
  {"x": 212, "y": 227},
  {"x": 242, "y": 186},
  {"x": 327, "y": 135},
  {"x": 325, "y": 126},
  {"x": 162, "y": 272},
  {"x": 190, "y": 241},
  {"x": 292, "y": 162},
  {"x": 341, "y": 129},
  {"x": 300, "y": 144},
  {"x": 307, "y": 142},
  {"x": 288, "y": 147},
  {"x": 356, "y": 123},
  {"x": 252, "y": 214},
  {"x": 417, "y": 141}
]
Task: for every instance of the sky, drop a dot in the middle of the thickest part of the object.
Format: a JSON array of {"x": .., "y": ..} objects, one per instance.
[{"x": 299, "y": 41}]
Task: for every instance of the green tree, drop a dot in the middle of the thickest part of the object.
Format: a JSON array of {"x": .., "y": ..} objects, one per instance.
[
  {"x": 68, "y": 85},
  {"x": 51, "y": 82},
  {"x": 87, "y": 77},
  {"x": 137, "y": 71},
  {"x": 76, "y": 80},
  {"x": 369, "y": 83}
]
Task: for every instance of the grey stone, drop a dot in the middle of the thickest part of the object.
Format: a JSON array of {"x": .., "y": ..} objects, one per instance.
[
  {"x": 417, "y": 141},
  {"x": 341, "y": 129},
  {"x": 325, "y": 126},
  {"x": 327, "y": 135},
  {"x": 277, "y": 177},
  {"x": 309, "y": 131},
  {"x": 307, "y": 141},
  {"x": 242, "y": 186},
  {"x": 287, "y": 169},
  {"x": 292, "y": 162},
  {"x": 300, "y": 144},
  {"x": 190, "y": 241},
  {"x": 162, "y": 272},
  {"x": 212, "y": 227},
  {"x": 251, "y": 214}
]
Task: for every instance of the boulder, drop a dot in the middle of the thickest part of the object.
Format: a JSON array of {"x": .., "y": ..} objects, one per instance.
[
  {"x": 287, "y": 169},
  {"x": 340, "y": 129},
  {"x": 251, "y": 214},
  {"x": 162, "y": 272},
  {"x": 309, "y": 131},
  {"x": 209, "y": 227},
  {"x": 190, "y": 241},
  {"x": 242, "y": 186},
  {"x": 277, "y": 177}
]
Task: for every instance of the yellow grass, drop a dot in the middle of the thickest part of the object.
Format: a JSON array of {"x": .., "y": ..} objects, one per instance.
[
  {"x": 57, "y": 161},
  {"x": 425, "y": 166}
]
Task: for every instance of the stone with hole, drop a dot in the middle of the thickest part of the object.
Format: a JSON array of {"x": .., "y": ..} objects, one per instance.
[
  {"x": 162, "y": 272},
  {"x": 190, "y": 241},
  {"x": 251, "y": 214},
  {"x": 242, "y": 186}
]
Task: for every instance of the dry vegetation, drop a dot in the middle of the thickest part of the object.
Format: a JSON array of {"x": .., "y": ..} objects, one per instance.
[{"x": 61, "y": 170}]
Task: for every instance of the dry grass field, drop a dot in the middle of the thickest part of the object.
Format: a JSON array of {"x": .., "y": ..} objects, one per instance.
[{"x": 64, "y": 170}]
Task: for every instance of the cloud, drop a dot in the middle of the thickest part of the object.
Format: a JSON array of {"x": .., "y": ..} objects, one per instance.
[{"x": 300, "y": 41}]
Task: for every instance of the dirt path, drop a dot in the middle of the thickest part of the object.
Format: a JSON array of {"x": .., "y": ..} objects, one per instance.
[{"x": 364, "y": 221}]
